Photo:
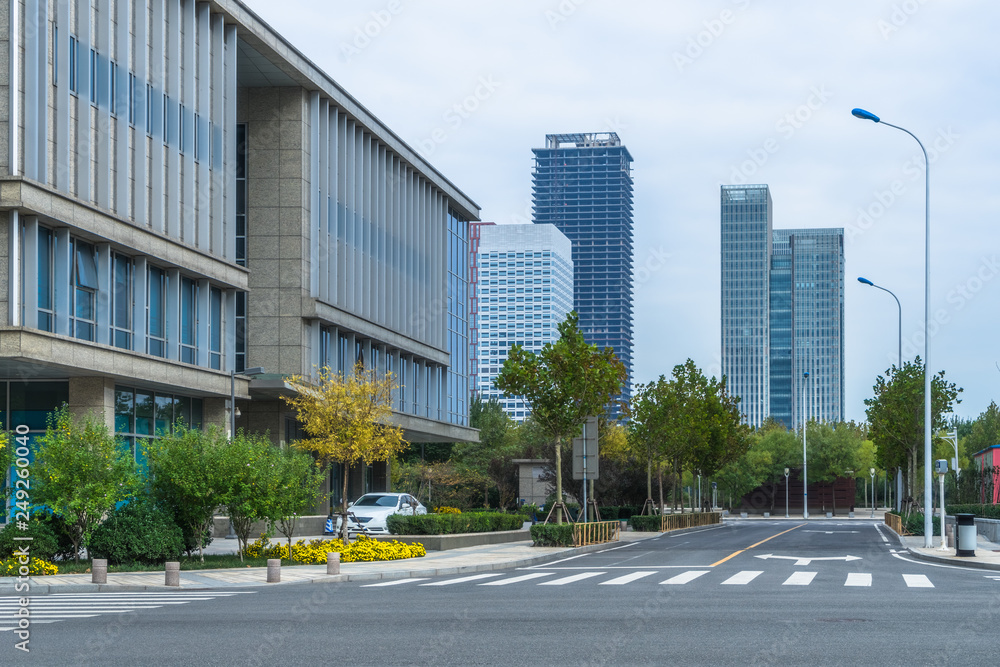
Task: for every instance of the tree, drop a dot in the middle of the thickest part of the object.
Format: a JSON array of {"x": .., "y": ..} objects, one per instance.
[
  {"x": 568, "y": 381},
  {"x": 649, "y": 430},
  {"x": 746, "y": 473},
  {"x": 187, "y": 477},
  {"x": 83, "y": 472},
  {"x": 838, "y": 450},
  {"x": 293, "y": 485},
  {"x": 985, "y": 430},
  {"x": 896, "y": 415},
  {"x": 785, "y": 449},
  {"x": 491, "y": 458},
  {"x": 347, "y": 420}
]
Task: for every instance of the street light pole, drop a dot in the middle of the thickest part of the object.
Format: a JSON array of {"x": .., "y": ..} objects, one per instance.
[
  {"x": 928, "y": 477},
  {"x": 256, "y": 370},
  {"x": 871, "y": 471},
  {"x": 786, "y": 493},
  {"x": 805, "y": 475}
]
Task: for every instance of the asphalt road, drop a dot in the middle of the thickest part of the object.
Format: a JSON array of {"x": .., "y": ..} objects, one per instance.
[{"x": 827, "y": 593}]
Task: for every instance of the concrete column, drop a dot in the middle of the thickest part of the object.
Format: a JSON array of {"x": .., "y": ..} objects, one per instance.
[
  {"x": 273, "y": 570},
  {"x": 99, "y": 571},
  {"x": 93, "y": 397},
  {"x": 333, "y": 563}
]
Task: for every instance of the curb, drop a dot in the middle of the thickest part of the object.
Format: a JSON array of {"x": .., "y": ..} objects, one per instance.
[
  {"x": 44, "y": 589},
  {"x": 942, "y": 560}
]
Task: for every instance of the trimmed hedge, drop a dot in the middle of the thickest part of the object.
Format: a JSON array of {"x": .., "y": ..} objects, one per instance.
[
  {"x": 645, "y": 523},
  {"x": 981, "y": 511},
  {"x": 552, "y": 534},
  {"x": 449, "y": 524}
]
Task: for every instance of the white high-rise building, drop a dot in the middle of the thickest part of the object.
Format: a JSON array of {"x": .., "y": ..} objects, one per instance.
[{"x": 524, "y": 289}]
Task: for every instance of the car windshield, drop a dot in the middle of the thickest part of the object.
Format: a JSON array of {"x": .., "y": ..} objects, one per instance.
[{"x": 376, "y": 501}]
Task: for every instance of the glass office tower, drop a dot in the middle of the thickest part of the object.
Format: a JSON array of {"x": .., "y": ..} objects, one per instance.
[
  {"x": 582, "y": 184},
  {"x": 746, "y": 258}
]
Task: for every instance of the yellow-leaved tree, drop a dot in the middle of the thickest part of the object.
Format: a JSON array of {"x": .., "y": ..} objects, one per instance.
[{"x": 347, "y": 420}]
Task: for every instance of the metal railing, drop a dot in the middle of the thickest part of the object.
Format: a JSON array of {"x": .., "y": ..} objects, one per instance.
[
  {"x": 596, "y": 532},
  {"x": 678, "y": 521}
]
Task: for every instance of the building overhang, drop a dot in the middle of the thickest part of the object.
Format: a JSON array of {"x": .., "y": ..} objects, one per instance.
[{"x": 37, "y": 355}]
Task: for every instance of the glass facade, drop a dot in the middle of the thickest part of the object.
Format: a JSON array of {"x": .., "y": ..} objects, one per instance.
[
  {"x": 141, "y": 414},
  {"x": 782, "y": 312},
  {"x": 458, "y": 323},
  {"x": 582, "y": 184}
]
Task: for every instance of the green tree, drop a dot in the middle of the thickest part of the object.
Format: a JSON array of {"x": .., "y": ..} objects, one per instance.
[
  {"x": 751, "y": 470},
  {"x": 293, "y": 485},
  {"x": 896, "y": 415},
  {"x": 348, "y": 420},
  {"x": 568, "y": 381},
  {"x": 491, "y": 458},
  {"x": 838, "y": 450},
  {"x": 985, "y": 431},
  {"x": 82, "y": 472},
  {"x": 187, "y": 476},
  {"x": 785, "y": 450}
]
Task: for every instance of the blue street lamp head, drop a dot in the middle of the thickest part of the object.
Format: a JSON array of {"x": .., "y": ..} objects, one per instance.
[
  {"x": 865, "y": 115},
  {"x": 805, "y": 374},
  {"x": 866, "y": 281}
]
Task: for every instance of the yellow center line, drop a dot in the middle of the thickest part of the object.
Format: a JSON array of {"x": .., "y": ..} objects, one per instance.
[{"x": 737, "y": 553}]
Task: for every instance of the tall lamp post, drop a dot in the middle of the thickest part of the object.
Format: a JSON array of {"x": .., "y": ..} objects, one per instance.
[
  {"x": 256, "y": 370},
  {"x": 786, "y": 493},
  {"x": 899, "y": 364},
  {"x": 805, "y": 475},
  {"x": 871, "y": 471},
  {"x": 928, "y": 476}
]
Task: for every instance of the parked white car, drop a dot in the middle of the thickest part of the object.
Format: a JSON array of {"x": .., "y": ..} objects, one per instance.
[{"x": 372, "y": 509}]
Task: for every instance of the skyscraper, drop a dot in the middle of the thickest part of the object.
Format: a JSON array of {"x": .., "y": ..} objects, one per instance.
[
  {"x": 524, "y": 289},
  {"x": 746, "y": 257},
  {"x": 782, "y": 312},
  {"x": 582, "y": 184}
]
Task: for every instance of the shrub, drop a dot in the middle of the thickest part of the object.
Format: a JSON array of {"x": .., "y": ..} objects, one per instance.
[
  {"x": 138, "y": 532},
  {"x": 362, "y": 550},
  {"x": 914, "y": 524},
  {"x": 449, "y": 524},
  {"x": 444, "y": 509},
  {"x": 982, "y": 511},
  {"x": 11, "y": 567},
  {"x": 44, "y": 544},
  {"x": 552, "y": 535},
  {"x": 646, "y": 523}
]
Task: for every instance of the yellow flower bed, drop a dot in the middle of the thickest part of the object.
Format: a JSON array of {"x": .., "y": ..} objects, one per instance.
[
  {"x": 36, "y": 567},
  {"x": 444, "y": 509},
  {"x": 314, "y": 553}
]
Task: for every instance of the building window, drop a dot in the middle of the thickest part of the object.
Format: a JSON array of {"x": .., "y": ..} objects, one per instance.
[
  {"x": 181, "y": 138},
  {"x": 241, "y": 194},
  {"x": 46, "y": 314},
  {"x": 241, "y": 331},
  {"x": 142, "y": 415},
  {"x": 166, "y": 120},
  {"x": 189, "y": 321},
  {"x": 121, "y": 302},
  {"x": 131, "y": 99},
  {"x": 72, "y": 64},
  {"x": 149, "y": 109},
  {"x": 84, "y": 290},
  {"x": 156, "y": 324},
  {"x": 215, "y": 328},
  {"x": 93, "y": 77}
]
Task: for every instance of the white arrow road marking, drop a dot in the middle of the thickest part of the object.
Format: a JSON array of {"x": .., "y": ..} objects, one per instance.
[
  {"x": 917, "y": 581},
  {"x": 685, "y": 577},
  {"x": 805, "y": 561},
  {"x": 858, "y": 579},
  {"x": 799, "y": 579},
  {"x": 743, "y": 578}
]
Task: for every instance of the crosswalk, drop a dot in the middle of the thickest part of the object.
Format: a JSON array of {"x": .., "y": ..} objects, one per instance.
[
  {"x": 57, "y": 607},
  {"x": 701, "y": 576}
]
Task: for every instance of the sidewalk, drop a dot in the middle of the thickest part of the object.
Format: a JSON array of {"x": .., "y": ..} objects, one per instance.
[
  {"x": 987, "y": 553},
  {"x": 453, "y": 561}
]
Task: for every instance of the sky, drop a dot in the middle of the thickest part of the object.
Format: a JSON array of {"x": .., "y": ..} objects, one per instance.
[{"x": 710, "y": 93}]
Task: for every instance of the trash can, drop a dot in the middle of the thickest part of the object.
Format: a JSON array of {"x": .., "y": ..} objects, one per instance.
[{"x": 965, "y": 540}]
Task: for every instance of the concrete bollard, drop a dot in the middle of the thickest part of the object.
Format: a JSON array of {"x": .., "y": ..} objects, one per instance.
[
  {"x": 273, "y": 570},
  {"x": 172, "y": 573},
  {"x": 333, "y": 563},
  {"x": 99, "y": 571},
  {"x": 767, "y": 515}
]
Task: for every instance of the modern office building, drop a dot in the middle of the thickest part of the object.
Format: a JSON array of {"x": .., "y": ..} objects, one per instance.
[
  {"x": 746, "y": 257},
  {"x": 782, "y": 312},
  {"x": 524, "y": 290},
  {"x": 186, "y": 196},
  {"x": 582, "y": 184}
]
